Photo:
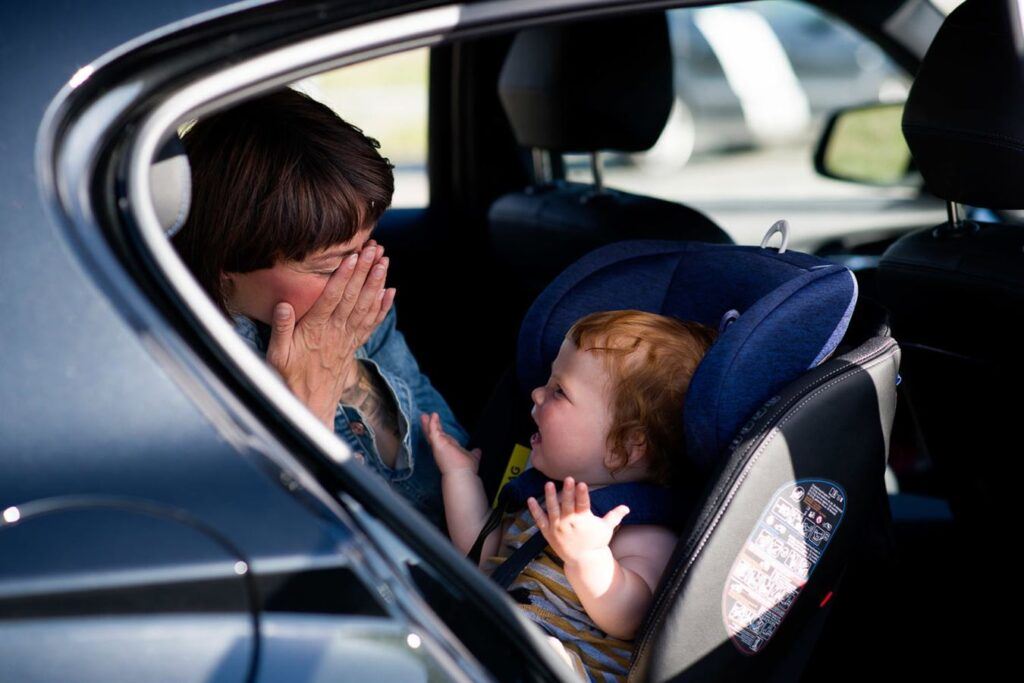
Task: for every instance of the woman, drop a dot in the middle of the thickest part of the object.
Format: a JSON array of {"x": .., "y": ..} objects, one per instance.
[{"x": 285, "y": 198}]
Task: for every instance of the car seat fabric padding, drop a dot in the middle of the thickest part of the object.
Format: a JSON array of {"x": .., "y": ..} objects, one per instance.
[{"x": 794, "y": 309}]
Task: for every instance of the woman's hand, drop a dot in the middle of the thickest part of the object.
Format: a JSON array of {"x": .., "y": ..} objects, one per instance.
[
  {"x": 449, "y": 455},
  {"x": 568, "y": 525},
  {"x": 316, "y": 355}
]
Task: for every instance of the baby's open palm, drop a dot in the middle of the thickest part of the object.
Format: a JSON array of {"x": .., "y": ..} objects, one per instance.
[
  {"x": 569, "y": 526},
  {"x": 448, "y": 454}
]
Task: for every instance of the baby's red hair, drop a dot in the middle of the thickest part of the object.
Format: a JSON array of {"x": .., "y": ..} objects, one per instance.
[{"x": 651, "y": 359}]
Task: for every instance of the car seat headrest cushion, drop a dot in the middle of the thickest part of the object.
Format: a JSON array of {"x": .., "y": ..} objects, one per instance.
[
  {"x": 170, "y": 181},
  {"x": 964, "y": 116},
  {"x": 593, "y": 85},
  {"x": 793, "y": 311}
]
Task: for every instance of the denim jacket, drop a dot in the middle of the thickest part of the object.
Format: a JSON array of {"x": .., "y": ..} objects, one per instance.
[{"x": 414, "y": 475}]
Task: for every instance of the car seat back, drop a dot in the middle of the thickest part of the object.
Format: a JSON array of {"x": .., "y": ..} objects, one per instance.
[
  {"x": 956, "y": 291},
  {"x": 602, "y": 84}
]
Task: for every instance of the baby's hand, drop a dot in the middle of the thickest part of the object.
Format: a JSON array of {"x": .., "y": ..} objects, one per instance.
[
  {"x": 569, "y": 526},
  {"x": 448, "y": 454}
]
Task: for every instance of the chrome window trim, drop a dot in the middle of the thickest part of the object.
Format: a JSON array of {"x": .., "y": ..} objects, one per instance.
[{"x": 277, "y": 68}]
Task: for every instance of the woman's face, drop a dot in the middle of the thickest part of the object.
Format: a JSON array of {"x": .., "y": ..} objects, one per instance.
[{"x": 254, "y": 294}]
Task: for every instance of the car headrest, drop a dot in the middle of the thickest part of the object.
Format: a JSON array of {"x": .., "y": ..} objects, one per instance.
[
  {"x": 964, "y": 117},
  {"x": 782, "y": 314},
  {"x": 588, "y": 86},
  {"x": 170, "y": 181}
]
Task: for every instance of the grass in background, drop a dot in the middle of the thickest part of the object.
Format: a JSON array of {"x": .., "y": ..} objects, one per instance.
[{"x": 867, "y": 145}]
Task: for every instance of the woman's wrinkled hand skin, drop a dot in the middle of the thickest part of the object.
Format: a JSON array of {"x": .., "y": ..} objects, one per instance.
[{"x": 316, "y": 355}]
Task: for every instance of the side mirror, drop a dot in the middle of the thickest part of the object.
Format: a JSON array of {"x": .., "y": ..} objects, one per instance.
[{"x": 865, "y": 145}]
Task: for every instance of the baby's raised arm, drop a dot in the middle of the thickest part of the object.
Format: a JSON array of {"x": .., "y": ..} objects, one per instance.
[
  {"x": 643, "y": 552},
  {"x": 465, "y": 503},
  {"x": 614, "y": 574}
]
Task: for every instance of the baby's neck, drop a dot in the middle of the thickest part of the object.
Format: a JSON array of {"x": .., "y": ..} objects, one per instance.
[{"x": 622, "y": 478}]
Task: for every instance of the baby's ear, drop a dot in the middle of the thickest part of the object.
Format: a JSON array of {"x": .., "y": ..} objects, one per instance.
[{"x": 636, "y": 448}]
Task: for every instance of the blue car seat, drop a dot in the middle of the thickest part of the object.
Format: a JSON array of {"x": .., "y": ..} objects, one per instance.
[{"x": 787, "y": 422}]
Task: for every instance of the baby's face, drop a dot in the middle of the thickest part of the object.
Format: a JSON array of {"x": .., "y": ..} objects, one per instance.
[{"x": 573, "y": 416}]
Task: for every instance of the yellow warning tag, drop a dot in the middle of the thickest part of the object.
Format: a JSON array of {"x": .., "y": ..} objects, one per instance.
[{"x": 516, "y": 464}]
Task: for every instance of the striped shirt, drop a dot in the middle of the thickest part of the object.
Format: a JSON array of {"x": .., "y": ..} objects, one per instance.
[{"x": 545, "y": 594}]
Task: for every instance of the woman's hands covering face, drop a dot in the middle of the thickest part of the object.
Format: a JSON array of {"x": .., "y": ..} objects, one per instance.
[{"x": 316, "y": 354}]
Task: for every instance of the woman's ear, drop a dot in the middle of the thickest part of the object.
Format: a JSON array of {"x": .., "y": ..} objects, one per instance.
[{"x": 227, "y": 285}]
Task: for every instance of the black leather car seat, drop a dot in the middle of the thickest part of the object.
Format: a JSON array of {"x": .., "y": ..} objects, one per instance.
[
  {"x": 956, "y": 291},
  {"x": 787, "y": 421},
  {"x": 584, "y": 87}
]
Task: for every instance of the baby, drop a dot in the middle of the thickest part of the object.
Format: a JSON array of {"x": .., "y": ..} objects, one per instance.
[{"x": 610, "y": 414}]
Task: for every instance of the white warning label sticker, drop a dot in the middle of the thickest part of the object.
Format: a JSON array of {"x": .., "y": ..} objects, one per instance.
[{"x": 779, "y": 556}]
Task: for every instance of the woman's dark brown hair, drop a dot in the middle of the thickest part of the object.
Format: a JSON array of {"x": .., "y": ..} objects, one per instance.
[{"x": 275, "y": 178}]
